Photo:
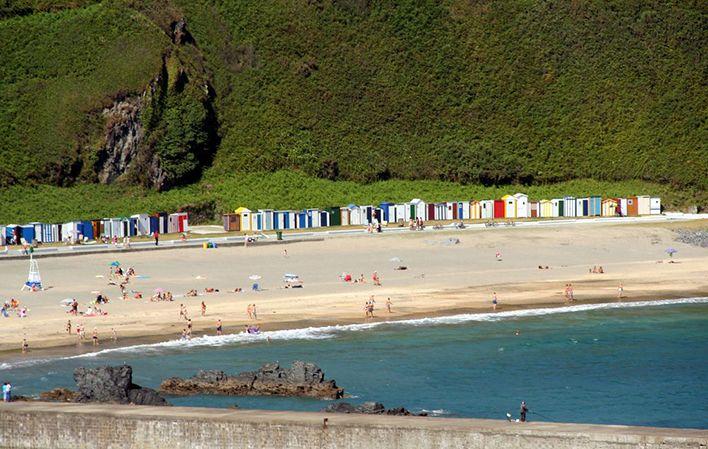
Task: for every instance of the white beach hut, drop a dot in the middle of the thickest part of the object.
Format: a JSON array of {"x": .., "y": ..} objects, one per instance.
[
  {"x": 643, "y": 205},
  {"x": 487, "y": 209},
  {"x": 654, "y": 205},
  {"x": 523, "y": 209}
]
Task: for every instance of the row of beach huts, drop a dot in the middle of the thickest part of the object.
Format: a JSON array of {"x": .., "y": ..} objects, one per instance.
[
  {"x": 507, "y": 207},
  {"x": 86, "y": 230}
]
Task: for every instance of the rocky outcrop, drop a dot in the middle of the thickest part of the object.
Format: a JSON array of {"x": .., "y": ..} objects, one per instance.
[
  {"x": 59, "y": 395},
  {"x": 123, "y": 135},
  {"x": 300, "y": 380},
  {"x": 369, "y": 408},
  {"x": 113, "y": 385}
]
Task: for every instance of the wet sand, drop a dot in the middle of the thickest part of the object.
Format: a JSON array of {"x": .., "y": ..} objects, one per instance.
[{"x": 442, "y": 279}]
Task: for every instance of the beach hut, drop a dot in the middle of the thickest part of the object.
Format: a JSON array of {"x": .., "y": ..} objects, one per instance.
[
  {"x": 232, "y": 222},
  {"x": 48, "y": 233},
  {"x": 418, "y": 209},
  {"x": 595, "y": 206},
  {"x": 622, "y": 207},
  {"x": 172, "y": 224},
  {"x": 655, "y": 205},
  {"x": 325, "y": 218},
  {"x": 487, "y": 209},
  {"x": 522, "y": 205},
  {"x": 388, "y": 211},
  {"x": 533, "y": 209},
  {"x": 582, "y": 207},
  {"x": 3, "y": 238},
  {"x": 86, "y": 230},
  {"x": 163, "y": 222},
  {"x": 268, "y": 219},
  {"x": 355, "y": 215},
  {"x": 545, "y": 208},
  {"x": 69, "y": 231},
  {"x": 509, "y": 206},
  {"x": 499, "y": 209},
  {"x": 440, "y": 211},
  {"x": 569, "y": 206},
  {"x": 632, "y": 206},
  {"x": 643, "y": 205},
  {"x": 475, "y": 210},
  {"x": 558, "y": 207},
  {"x": 344, "y": 219},
  {"x": 245, "y": 215},
  {"x": 142, "y": 223},
  {"x": 609, "y": 207},
  {"x": 335, "y": 217}
]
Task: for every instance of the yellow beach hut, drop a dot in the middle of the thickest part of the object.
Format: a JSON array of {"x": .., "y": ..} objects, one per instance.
[
  {"x": 245, "y": 215},
  {"x": 509, "y": 206},
  {"x": 609, "y": 207}
]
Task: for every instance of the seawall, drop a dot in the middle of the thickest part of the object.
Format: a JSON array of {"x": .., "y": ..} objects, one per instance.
[{"x": 71, "y": 426}]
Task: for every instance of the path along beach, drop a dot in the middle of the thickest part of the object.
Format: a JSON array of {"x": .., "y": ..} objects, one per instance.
[{"x": 442, "y": 278}]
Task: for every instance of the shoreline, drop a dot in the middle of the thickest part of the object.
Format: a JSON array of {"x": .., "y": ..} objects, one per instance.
[{"x": 66, "y": 350}]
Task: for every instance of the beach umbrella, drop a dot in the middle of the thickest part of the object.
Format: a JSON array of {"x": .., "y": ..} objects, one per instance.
[
  {"x": 671, "y": 251},
  {"x": 394, "y": 259},
  {"x": 115, "y": 263},
  {"x": 66, "y": 302},
  {"x": 254, "y": 277}
]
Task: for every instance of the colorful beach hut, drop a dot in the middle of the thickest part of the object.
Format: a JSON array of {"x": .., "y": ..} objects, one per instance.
[
  {"x": 631, "y": 207},
  {"x": 475, "y": 210},
  {"x": 533, "y": 209},
  {"x": 609, "y": 207},
  {"x": 499, "y": 208},
  {"x": 245, "y": 217},
  {"x": 232, "y": 222},
  {"x": 545, "y": 209},
  {"x": 569, "y": 206},
  {"x": 509, "y": 206}
]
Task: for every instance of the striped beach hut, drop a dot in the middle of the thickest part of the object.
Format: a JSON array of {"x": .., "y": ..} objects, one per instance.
[
  {"x": 545, "y": 209},
  {"x": 569, "y": 206},
  {"x": 475, "y": 210},
  {"x": 595, "y": 206},
  {"x": 610, "y": 207},
  {"x": 487, "y": 209},
  {"x": 268, "y": 219},
  {"x": 418, "y": 209}
]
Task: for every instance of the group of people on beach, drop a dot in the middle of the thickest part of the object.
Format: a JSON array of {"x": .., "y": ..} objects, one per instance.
[
  {"x": 13, "y": 307},
  {"x": 596, "y": 270},
  {"x": 416, "y": 225}
]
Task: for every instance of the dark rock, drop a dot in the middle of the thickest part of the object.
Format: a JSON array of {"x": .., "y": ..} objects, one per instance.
[
  {"x": 300, "y": 380},
  {"x": 113, "y": 384},
  {"x": 145, "y": 396},
  {"x": 369, "y": 408},
  {"x": 340, "y": 407},
  {"x": 104, "y": 384}
]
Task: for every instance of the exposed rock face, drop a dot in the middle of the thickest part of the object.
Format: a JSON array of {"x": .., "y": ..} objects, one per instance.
[
  {"x": 113, "y": 384},
  {"x": 59, "y": 395},
  {"x": 300, "y": 380},
  {"x": 369, "y": 408},
  {"x": 123, "y": 135}
]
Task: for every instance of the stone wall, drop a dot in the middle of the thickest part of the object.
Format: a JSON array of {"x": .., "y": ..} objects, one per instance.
[{"x": 72, "y": 426}]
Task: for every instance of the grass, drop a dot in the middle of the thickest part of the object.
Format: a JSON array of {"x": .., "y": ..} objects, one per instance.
[
  {"x": 477, "y": 92},
  {"x": 280, "y": 190}
]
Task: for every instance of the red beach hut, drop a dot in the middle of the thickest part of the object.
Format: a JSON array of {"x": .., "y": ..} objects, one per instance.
[{"x": 498, "y": 208}]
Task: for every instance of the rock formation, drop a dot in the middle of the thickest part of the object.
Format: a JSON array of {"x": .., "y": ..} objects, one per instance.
[
  {"x": 123, "y": 134},
  {"x": 300, "y": 380},
  {"x": 369, "y": 408},
  {"x": 115, "y": 385}
]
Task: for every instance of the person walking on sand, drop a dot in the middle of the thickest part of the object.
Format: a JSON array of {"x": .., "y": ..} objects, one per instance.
[
  {"x": 203, "y": 309},
  {"x": 68, "y": 327},
  {"x": 388, "y": 305},
  {"x": 94, "y": 336},
  {"x": 249, "y": 311},
  {"x": 156, "y": 235},
  {"x": 255, "y": 313},
  {"x": 620, "y": 291},
  {"x": 25, "y": 346},
  {"x": 495, "y": 301},
  {"x": 219, "y": 327},
  {"x": 114, "y": 334}
]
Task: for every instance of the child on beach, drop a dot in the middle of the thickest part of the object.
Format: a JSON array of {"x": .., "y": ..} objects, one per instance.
[{"x": 94, "y": 336}]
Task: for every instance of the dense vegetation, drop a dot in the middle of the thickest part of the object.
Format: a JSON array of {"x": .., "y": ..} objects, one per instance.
[
  {"x": 280, "y": 190},
  {"x": 477, "y": 92}
]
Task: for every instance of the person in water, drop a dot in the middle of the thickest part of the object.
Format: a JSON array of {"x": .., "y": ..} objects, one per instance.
[{"x": 522, "y": 411}]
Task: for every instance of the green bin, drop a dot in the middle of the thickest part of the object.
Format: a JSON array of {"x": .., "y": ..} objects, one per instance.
[{"x": 279, "y": 235}]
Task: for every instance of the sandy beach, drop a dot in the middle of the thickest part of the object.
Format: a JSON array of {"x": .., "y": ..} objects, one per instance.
[{"x": 442, "y": 278}]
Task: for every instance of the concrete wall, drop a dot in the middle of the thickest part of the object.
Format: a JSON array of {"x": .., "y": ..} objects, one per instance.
[{"x": 73, "y": 426}]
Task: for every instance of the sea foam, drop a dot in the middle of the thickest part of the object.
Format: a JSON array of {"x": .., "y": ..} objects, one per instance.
[{"x": 325, "y": 332}]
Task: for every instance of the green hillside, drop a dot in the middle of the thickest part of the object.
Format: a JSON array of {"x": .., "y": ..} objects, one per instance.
[{"x": 476, "y": 92}]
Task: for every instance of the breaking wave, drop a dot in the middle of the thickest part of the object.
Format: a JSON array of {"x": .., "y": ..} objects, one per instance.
[{"x": 325, "y": 332}]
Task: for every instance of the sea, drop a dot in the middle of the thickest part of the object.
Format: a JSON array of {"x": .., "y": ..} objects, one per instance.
[{"x": 634, "y": 363}]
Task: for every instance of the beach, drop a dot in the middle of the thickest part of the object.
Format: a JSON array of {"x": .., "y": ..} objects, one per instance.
[{"x": 448, "y": 272}]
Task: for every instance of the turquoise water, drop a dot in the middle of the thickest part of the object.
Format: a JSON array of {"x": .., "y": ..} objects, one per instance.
[{"x": 635, "y": 365}]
